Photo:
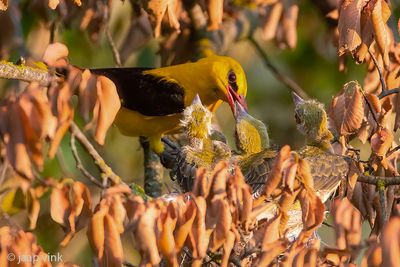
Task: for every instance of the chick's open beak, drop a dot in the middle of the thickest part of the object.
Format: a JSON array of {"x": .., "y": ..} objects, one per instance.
[{"x": 233, "y": 97}]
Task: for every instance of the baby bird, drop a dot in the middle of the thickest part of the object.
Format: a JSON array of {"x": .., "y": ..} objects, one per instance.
[
  {"x": 200, "y": 151},
  {"x": 327, "y": 169},
  {"x": 255, "y": 156}
]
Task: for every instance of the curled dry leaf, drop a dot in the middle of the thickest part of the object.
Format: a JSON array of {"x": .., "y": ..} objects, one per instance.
[
  {"x": 275, "y": 176},
  {"x": 20, "y": 244},
  {"x": 391, "y": 243},
  {"x": 347, "y": 109},
  {"x": 280, "y": 22},
  {"x": 3, "y": 5},
  {"x": 53, "y": 3},
  {"x": 347, "y": 224},
  {"x": 215, "y": 13},
  {"x": 360, "y": 23},
  {"x": 104, "y": 235},
  {"x": 381, "y": 141},
  {"x": 70, "y": 206},
  {"x": 56, "y": 55},
  {"x": 157, "y": 10},
  {"x": 349, "y": 25},
  {"x": 108, "y": 106}
]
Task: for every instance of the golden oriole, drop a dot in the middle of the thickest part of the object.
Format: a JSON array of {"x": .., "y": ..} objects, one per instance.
[{"x": 153, "y": 99}]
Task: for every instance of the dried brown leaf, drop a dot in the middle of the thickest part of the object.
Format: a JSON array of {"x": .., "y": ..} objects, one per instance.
[
  {"x": 108, "y": 108},
  {"x": 271, "y": 21},
  {"x": 347, "y": 109},
  {"x": 96, "y": 232},
  {"x": 59, "y": 204},
  {"x": 146, "y": 237},
  {"x": 53, "y": 4},
  {"x": 381, "y": 141},
  {"x": 112, "y": 243},
  {"x": 56, "y": 54},
  {"x": 391, "y": 243},
  {"x": 166, "y": 241},
  {"x": 157, "y": 9},
  {"x": 184, "y": 225},
  {"x": 215, "y": 13},
  {"x": 349, "y": 25},
  {"x": 380, "y": 30},
  {"x": 275, "y": 176},
  {"x": 3, "y": 5}
]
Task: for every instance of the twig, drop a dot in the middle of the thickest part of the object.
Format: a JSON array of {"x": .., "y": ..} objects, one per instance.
[
  {"x": 9, "y": 70},
  {"x": 388, "y": 92},
  {"x": 99, "y": 161},
  {"x": 379, "y": 180},
  {"x": 382, "y": 201},
  {"x": 292, "y": 85},
  {"x": 128, "y": 264},
  {"x": 61, "y": 162},
  {"x": 114, "y": 49},
  {"x": 378, "y": 68},
  {"x": 79, "y": 164},
  {"x": 371, "y": 109},
  {"x": 3, "y": 171}
]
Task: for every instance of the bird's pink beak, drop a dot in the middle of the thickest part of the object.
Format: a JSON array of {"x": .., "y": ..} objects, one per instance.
[{"x": 234, "y": 96}]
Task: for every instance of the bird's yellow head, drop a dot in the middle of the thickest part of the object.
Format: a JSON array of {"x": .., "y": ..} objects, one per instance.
[
  {"x": 251, "y": 134},
  {"x": 197, "y": 120},
  {"x": 312, "y": 120},
  {"x": 229, "y": 79}
]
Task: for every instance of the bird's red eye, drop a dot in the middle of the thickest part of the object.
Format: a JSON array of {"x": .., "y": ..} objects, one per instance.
[{"x": 231, "y": 77}]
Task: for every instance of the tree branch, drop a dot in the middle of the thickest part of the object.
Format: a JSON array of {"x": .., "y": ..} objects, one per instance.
[
  {"x": 289, "y": 83},
  {"x": 114, "y": 49},
  {"x": 9, "y": 70},
  {"x": 378, "y": 68},
  {"x": 107, "y": 172},
  {"x": 80, "y": 166},
  {"x": 389, "y": 92},
  {"x": 379, "y": 180}
]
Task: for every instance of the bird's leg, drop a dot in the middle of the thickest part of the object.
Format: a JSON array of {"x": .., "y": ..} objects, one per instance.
[{"x": 153, "y": 170}]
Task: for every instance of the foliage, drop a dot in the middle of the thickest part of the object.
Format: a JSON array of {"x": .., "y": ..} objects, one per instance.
[{"x": 219, "y": 222}]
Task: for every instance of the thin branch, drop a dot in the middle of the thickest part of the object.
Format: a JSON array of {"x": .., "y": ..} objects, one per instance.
[
  {"x": 99, "y": 161},
  {"x": 382, "y": 201},
  {"x": 388, "y": 92},
  {"x": 4, "y": 168},
  {"x": 371, "y": 109},
  {"x": 79, "y": 164},
  {"x": 61, "y": 162},
  {"x": 292, "y": 85},
  {"x": 379, "y": 180},
  {"x": 114, "y": 49},
  {"x": 9, "y": 70},
  {"x": 378, "y": 68}
]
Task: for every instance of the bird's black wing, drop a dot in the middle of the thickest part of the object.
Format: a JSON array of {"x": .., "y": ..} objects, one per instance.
[
  {"x": 174, "y": 158},
  {"x": 145, "y": 93}
]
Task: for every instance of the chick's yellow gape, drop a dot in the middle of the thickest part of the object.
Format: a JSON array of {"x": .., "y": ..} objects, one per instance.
[{"x": 153, "y": 99}]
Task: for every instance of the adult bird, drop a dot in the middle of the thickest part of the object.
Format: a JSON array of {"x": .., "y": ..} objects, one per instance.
[{"x": 153, "y": 99}]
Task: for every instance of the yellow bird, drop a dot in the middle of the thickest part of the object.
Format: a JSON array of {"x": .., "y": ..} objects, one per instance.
[{"x": 153, "y": 99}]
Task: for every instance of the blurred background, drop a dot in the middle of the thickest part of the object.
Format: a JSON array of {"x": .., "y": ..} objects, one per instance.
[{"x": 313, "y": 64}]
